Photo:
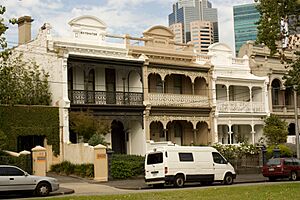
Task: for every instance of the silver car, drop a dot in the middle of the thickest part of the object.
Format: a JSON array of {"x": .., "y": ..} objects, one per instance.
[{"x": 15, "y": 179}]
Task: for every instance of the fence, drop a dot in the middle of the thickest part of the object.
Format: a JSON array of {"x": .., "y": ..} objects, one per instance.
[
  {"x": 23, "y": 161},
  {"x": 248, "y": 164}
]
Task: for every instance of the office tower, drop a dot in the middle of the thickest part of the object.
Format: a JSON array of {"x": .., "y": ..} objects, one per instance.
[
  {"x": 187, "y": 11},
  {"x": 245, "y": 16},
  {"x": 202, "y": 35}
]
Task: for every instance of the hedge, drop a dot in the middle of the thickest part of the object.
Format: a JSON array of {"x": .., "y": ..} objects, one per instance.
[
  {"x": 30, "y": 120},
  {"x": 126, "y": 166}
]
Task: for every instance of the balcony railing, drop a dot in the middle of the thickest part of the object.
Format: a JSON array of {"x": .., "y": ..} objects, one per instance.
[
  {"x": 239, "y": 106},
  {"x": 284, "y": 108},
  {"x": 178, "y": 100},
  {"x": 105, "y": 97}
]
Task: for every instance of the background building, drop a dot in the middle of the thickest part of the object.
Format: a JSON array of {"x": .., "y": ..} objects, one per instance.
[
  {"x": 202, "y": 35},
  {"x": 187, "y": 11},
  {"x": 245, "y": 16}
]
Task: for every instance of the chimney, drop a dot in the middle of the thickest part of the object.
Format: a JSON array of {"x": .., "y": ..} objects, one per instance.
[{"x": 24, "y": 25}]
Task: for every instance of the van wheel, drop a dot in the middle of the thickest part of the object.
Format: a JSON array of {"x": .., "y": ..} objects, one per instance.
[
  {"x": 228, "y": 180},
  {"x": 179, "y": 181},
  {"x": 293, "y": 176}
]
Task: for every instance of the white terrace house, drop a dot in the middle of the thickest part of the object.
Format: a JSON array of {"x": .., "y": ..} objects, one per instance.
[
  {"x": 240, "y": 98},
  {"x": 88, "y": 72}
]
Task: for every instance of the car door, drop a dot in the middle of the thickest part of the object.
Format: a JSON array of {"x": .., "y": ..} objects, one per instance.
[
  {"x": 4, "y": 183},
  {"x": 19, "y": 180}
]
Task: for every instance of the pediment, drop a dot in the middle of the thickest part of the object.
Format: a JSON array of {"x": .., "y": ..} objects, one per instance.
[
  {"x": 88, "y": 21},
  {"x": 159, "y": 30},
  {"x": 219, "y": 47}
]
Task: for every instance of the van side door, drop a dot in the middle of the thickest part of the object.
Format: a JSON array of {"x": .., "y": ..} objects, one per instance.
[{"x": 220, "y": 166}]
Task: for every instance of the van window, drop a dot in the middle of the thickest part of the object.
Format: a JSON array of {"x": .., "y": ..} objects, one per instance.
[
  {"x": 186, "y": 157},
  {"x": 155, "y": 158},
  {"x": 218, "y": 158}
]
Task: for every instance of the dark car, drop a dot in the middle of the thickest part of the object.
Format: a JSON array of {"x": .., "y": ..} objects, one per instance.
[{"x": 282, "y": 168}]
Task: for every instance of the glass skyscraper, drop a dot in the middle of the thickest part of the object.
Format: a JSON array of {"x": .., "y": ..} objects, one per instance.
[{"x": 245, "y": 16}]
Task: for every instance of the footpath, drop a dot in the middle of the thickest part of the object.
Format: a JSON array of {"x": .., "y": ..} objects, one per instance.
[{"x": 83, "y": 186}]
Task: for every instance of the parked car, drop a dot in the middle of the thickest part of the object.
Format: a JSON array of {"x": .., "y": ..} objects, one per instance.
[
  {"x": 14, "y": 179},
  {"x": 282, "y": 168}
]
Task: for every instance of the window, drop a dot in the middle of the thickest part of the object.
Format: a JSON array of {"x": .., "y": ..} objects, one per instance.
[
  {"x": 186, "y": 157},
  {"x": 11, "y": 171},
  {"x": 218, "y": 158},
  {"x": 288, "y": 162},
  {"x": 177, "y": 84},
  {"x": 155, "y": 158}
]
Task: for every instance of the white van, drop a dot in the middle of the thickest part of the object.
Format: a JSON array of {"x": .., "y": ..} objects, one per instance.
[{"x": 173, "y": 164}]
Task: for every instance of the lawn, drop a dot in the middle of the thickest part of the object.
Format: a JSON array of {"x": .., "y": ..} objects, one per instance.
[{"x": 283, "y": 191}]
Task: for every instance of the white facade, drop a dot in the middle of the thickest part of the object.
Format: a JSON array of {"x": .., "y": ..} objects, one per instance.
[{"x": 239, "y": 97}]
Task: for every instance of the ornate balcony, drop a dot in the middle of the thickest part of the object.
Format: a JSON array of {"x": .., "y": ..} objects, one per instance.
[
  {"x": 240, "y": 107},
  {"x": 105, "y": 98},
  {"x": 178, "y": 100}
]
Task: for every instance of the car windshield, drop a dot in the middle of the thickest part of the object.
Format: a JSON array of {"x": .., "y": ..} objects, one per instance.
[
  {"x": 155, "y": 158},
  {"x": 275, "y": 161}
]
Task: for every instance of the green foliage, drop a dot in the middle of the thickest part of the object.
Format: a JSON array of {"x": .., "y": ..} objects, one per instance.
[
  {"x": 126, "y": 166},
  {"x": 3, "y": 141},
  {"x": 30, "y": 120},
  {"x": 21, "y": 82},
  {"x": 275, "y": 130},
  {"x": 284, "y": 151},
  {"x": 67, "y": 168},
  {"x": 292, "y": 77},
  {"x": 97, "y": 139},
  {"x": 86, "y": 124},
  {"x": 271, "y": 14}
]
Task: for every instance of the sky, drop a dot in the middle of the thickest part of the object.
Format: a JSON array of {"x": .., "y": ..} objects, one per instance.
[{"x": 121, "y": 16}]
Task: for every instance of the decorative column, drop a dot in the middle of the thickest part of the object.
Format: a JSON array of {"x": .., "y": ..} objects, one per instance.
[
  {"x": 251, "y": 100},
  {"x": 253, "y": 137},
  {"x": 230, "y": 136},
  {"x": 195, "y": 136},
  {"x": 193, "y": 88},
  {"x": 165, "y": 134}
]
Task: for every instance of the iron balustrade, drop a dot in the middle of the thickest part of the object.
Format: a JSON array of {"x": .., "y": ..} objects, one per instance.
[{"x": 105, "y": 97}]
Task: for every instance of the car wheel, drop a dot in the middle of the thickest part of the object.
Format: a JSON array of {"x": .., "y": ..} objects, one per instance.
[
  {"x": 228, "y": 179},
  {"x": 42, "y": 189},
  {"x": 179, "y": 181},
  {"x": 293, "y": 176}
]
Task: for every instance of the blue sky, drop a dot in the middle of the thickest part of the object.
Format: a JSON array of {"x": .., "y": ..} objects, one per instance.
[{"x": 121, "y": 16}]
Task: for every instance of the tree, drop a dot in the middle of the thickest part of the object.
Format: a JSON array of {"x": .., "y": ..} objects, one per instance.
[
  {"x": 88, "y": 126},
  {"x": 21, "y": 82},
  {"x": 278, "y": 19},
  {"x": 275, "y": 130},
  {"x": 4, "y": 52}
]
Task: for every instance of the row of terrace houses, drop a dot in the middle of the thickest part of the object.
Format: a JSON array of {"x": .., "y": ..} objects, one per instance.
[{"x": 149, "y": 87}]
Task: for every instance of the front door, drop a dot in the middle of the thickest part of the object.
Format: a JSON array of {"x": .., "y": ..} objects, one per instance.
[{"x": 118, "y": 137}]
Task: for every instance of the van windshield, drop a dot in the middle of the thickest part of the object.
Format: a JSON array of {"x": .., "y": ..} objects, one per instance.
[{"x": 155, "y": 158}]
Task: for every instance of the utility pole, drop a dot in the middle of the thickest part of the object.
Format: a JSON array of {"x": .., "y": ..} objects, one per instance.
[{"x": 296, "y": 122}]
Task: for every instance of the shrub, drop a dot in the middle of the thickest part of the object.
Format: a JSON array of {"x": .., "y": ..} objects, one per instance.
[
  {"x": 285, "y": 151},
  {"x": 97, "y": 139},
  {"x": 83, "y": 170},
  {"x": 126, "y": 166}
]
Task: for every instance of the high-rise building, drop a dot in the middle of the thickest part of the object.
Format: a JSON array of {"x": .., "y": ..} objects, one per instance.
[
  {"x": 245, "y": 16},
  {"x": 202, "y": 35},
  {"x": 187, "y": 11}
]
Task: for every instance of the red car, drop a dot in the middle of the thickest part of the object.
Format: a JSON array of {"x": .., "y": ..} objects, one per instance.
[{"x": 282, "y": 168}]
